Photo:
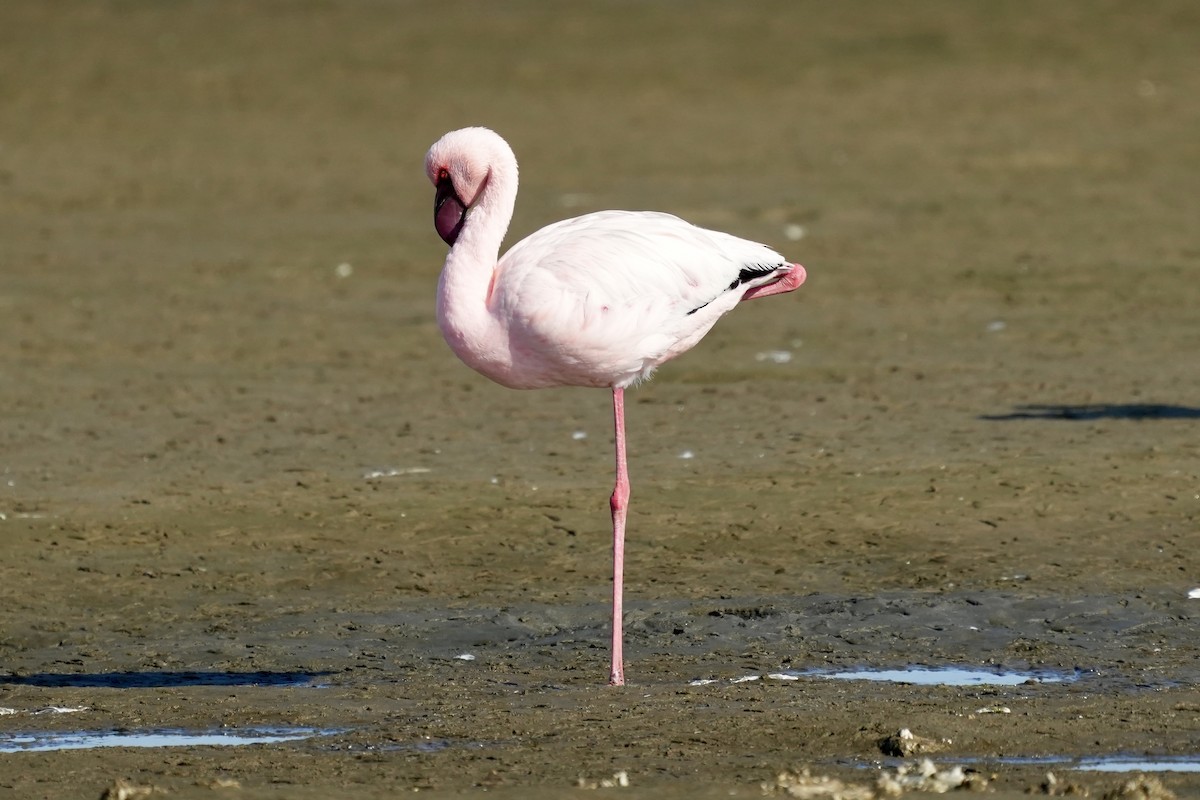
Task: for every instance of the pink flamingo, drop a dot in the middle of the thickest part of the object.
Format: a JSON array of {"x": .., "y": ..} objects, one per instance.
[{"x": 599, "y": 300}]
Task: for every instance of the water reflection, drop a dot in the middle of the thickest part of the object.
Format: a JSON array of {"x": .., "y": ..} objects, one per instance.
[
  {"x": 83, "y": 740},
  {"x": 161, "y": 679},
  {"x": 924, "y": 676}
]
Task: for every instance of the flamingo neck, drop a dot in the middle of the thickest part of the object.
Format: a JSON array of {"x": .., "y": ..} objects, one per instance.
[{"x": 468, "y": 324}]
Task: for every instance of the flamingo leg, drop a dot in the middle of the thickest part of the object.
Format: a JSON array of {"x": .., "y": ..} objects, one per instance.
[{"x": 619, "y": 503}]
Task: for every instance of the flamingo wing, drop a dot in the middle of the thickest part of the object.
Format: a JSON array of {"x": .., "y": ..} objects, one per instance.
[{"x": 606, "y": 297}]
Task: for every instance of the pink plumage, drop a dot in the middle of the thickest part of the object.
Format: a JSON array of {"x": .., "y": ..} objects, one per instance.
[{"x": 599, "y": 300}]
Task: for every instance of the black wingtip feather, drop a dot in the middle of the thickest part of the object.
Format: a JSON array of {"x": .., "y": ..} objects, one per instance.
[
  {"x": 753, "y": 271},
  {"x": 745, "y": 275}
]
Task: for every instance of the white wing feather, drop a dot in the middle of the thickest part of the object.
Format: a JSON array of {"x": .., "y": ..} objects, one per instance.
[{"x": 606, "y": 297}]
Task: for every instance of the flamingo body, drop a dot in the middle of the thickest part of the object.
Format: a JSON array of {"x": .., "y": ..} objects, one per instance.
[
  {"x": 603, "y": 299},
  {"x": 600, "y": 300}
]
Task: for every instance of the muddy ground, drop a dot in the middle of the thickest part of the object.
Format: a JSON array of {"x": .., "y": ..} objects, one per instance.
[{"x": 243, "y": 482}]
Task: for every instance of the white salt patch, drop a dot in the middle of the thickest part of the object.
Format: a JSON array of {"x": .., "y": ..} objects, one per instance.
[
  {"x": 793, "y": 232},
  {"x": 4, "y": 711},
  {"x": 774, "y": 356},
  {"x": 391, "y": 472}
]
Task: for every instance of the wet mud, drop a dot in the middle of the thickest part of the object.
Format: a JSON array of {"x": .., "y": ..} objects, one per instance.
[{"x": 247, "y": 492}]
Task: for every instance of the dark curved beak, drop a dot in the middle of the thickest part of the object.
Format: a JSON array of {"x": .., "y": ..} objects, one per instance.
[{"x": 449, "y": 213}]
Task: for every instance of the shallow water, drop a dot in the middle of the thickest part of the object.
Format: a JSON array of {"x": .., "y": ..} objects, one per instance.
[
  {"x": 922, "y": 676},
  {"x": 128, "y": 679},
  {"x": 945, "y": 676},
  {"x": 1153, "y": 764},
  {"x": 85, "y": 740}
]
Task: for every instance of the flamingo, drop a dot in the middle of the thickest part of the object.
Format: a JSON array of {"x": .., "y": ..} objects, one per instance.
[{"x": 599, "y": 300}]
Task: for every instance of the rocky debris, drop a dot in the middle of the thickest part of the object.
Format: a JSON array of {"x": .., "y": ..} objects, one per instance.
[
  {"x": 121, "y": 789},
  {"x": 223, "y": 783},
  {"x": 619, "y": 780},
  {"x": 1142, "y": 787},
  {"x": 1054, "y": 787},
  {"x": 924, "y": 776},
  {"x": 805, "y": 785},
  {"x": 906, "y": 744},
  {"x": 920, "y": 776}
]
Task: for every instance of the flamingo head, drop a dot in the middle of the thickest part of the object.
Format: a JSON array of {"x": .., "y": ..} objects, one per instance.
[{"x": 460, "y": 166}]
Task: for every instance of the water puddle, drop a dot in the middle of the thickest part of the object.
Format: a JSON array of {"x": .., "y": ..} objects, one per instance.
[
  {"x": 947, "y": 676},
  {"x": 1152, "y": 764},
  {"x": 163, "y": 679},
  {"x": 1121, "y": 763},
  {"x": 924, "y": 676},
  {"x": 84, "y": 740},
  {"x": 1118, "y": 763}
]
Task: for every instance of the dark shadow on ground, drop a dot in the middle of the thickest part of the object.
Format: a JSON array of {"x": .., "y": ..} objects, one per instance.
[
  {"x": 153, "y": 680},
  {"x": 1135, "y": 411}
]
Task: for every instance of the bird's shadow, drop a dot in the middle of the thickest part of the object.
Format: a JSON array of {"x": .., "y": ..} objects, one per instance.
[
  {"x": 1093, "y": 411},
  {"x": 158, "y": 680}
]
